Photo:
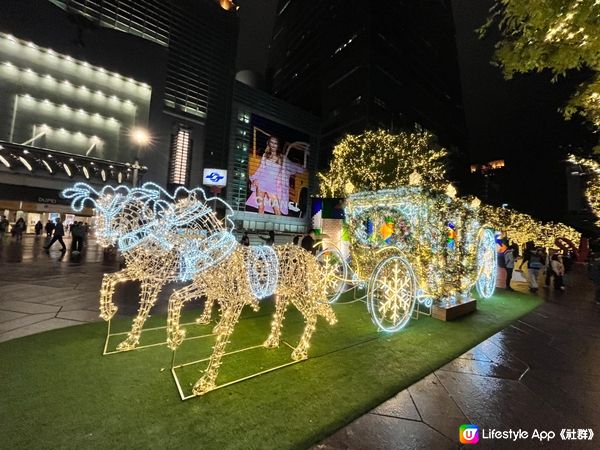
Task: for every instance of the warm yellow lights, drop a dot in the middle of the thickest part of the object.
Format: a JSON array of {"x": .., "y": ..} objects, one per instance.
[
  {"x": 178, "y": 237},
  {"x": 300, "y": 282},
  {"x": 377, "y": 160},
  {"x": 592, "y": 192},
  {"x": 554, "y": 36},
  {"x": 521, "y": 228}
]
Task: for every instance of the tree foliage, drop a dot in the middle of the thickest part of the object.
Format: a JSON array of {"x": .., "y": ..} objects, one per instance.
[
  {"x": 378, "y": 160},
  {"x": 558, "y": 35}
]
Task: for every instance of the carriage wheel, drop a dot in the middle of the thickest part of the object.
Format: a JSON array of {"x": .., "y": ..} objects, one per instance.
[
  {"x": 335, "y": 272},
  {"x": 486, "y": 263},
  {"x": 392, "y": 293}
]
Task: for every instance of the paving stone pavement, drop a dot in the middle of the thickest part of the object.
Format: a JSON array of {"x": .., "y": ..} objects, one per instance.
[
  {"x": 41, "y": 292},
  {"x": 541, "y": 372}
]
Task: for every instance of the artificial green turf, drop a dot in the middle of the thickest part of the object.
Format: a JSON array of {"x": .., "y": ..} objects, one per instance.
[{"x": 59, "y": 391}]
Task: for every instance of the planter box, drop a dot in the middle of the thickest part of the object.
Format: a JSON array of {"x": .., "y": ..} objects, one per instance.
[{"x": 454, "y": 311}]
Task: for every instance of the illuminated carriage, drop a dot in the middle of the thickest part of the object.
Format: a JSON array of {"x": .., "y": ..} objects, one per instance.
[{"x": 411, "y": 248}]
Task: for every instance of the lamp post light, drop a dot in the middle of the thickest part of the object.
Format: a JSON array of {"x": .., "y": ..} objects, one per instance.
[{"x": 141, "y": 137}]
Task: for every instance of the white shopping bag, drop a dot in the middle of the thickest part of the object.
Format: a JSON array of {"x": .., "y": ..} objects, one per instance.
[{"x": 518, "y": 275}]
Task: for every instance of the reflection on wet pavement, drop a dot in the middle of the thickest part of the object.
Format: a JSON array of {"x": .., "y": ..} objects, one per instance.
[{"x": 540, "y": 372}]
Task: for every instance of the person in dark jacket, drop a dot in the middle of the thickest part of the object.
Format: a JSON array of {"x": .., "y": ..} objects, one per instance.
[
  {"x": 49, "y": 228},
  {"x": 59, "y": 232},
  {"x": 38, "y": 228},
  {"x": 245, "y": 241},
  {"x": 77, "y": 234},
  {"x": 269, "y": 240},
  {"x": 308, "y": 243}
]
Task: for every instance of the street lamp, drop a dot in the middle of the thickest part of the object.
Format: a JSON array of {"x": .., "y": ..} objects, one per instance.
[{"x": 141, "y": 137}]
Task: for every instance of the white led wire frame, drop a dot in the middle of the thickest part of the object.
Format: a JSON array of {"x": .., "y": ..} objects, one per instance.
[
  {"x": 156, "y": 232},
  {"x": 149, "y": 223},
  {"x": 486, "y": 263}
]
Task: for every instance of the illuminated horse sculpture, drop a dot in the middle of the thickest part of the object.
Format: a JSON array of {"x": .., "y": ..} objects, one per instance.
[
  {"x": 152, "y": 229},
  {"x": 288, "y": 271},
  {"x": 167, "y": 237}
]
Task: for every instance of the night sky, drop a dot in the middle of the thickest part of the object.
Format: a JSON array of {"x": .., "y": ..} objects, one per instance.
[{"x": 516, "y": 120}]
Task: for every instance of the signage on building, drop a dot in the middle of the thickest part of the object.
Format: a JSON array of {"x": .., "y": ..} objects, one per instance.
[{"x": 214, "y": 177}]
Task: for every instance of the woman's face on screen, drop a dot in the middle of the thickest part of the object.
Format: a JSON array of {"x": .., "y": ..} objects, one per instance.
[{"x": 273, "y": 144}]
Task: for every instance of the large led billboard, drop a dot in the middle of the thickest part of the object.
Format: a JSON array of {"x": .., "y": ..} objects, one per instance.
[{"x": 277, "y": 169}]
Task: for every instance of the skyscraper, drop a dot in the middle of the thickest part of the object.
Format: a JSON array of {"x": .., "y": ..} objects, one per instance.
[{"x": 361, "y": 64}]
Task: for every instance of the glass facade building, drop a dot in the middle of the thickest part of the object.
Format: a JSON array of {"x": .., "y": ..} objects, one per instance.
[{"x": 360, "y": 64}]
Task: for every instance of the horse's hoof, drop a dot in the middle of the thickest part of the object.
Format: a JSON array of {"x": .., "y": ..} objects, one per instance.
[
  {"x": 108, "y": 313},
  {"x": 175, "y": 339},
  {"x": 298, "y": 355},
  {"x": 126, "y": 345},
  {"x": 203, "y": 386},
  {"x": 203, "y": 320},
  {"x": 271, "y": 343}
]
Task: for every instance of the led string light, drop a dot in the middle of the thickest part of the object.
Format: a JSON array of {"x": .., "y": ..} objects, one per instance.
[
  {"x": 140, "y": 213},
  {"x": 170, "y": 237},
  {"x": 521, "y": 228},
  {"x": 376, "y": 160},
  {"x": 592, "y": 192},
  {"x": 300, "y": 282},
  {"x": 400, "y": 243}
]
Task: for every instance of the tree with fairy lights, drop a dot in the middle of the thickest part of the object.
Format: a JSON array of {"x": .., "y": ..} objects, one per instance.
[
  {"x": 592, "y": 192},
  {"x": 559, "y": 36},
  {"x": 378, "y": 159}
]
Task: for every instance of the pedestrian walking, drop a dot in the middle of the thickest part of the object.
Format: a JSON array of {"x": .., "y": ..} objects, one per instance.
[
  {"x": 38, "y": 228},
  {"x": 77, "y": 234},
  {"x": 308, "y": 242},
  {"x": 59, "y": 232},
  {"x": 18, "y": 229},
  {"x": 509, "y": 264},
  {"x": 49, "y": 228},
  {"x": 245, "y": 241},
  {"x": 535, "y": 259},
  {"x": 559, "y": 272},
  {"x": 3, "y": 227},
  {"x": 594, "y": 274},
  {"x": 549, "y": 272}
]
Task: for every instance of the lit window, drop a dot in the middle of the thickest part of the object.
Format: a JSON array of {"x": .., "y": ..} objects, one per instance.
[{"x": 181, "y": 146}]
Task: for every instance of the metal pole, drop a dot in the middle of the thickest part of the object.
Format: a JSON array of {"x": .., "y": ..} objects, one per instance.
[{"x": 135, "y": 167}]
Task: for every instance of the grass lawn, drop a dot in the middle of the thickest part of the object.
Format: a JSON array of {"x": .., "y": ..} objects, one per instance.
[{"x": 58, "y": 391}]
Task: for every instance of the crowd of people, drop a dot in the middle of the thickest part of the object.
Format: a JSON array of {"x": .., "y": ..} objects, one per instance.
[
  {"x": 306, "y": 241},
  {"x": 55, "y": 231},
  {"x": 553, "y": 264}
]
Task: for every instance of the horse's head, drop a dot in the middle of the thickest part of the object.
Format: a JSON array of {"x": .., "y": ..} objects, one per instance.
[{"x": 111, "y": 208}]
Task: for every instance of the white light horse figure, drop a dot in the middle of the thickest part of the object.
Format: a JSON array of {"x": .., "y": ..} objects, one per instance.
[
  {"x": 162, "y": 237},
  {"x": 249, "y": 273}
]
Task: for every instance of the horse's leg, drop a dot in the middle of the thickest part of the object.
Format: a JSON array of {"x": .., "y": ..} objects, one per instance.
[
  {"x": 148, "y": 295},
  {"x": 229, "y": 318},
  {"x": 207, "y": 313},
  {"x": 281, "y": 304},
  {"x": 107, "y": 290},
  {"x": 175, "y": 334},
  {"x": 310, "y": 319}
]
